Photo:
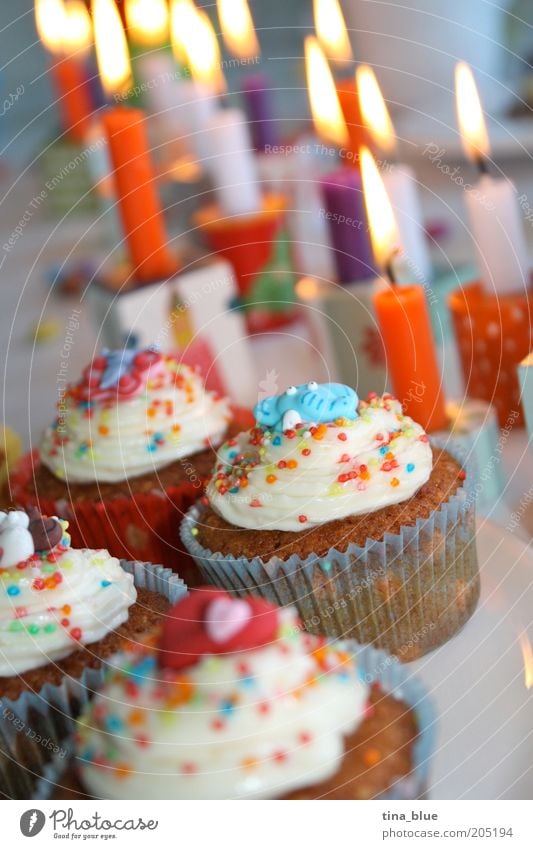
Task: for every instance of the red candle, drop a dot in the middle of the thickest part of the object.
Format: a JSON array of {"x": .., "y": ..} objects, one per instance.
[{"x": 138, "y": 200}]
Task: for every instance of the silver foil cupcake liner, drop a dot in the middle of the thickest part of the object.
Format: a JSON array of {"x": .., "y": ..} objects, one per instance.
[
  {"x": 407, "y": 593},
  {"x": 34, "y": 726},
  {"x": 374, "y": 666}
]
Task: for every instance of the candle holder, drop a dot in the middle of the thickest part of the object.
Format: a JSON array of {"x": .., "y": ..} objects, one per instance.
[
  {"x": 493, "y": 334},
  {"x": 256, "y": 246},
  {"x": 192, "y": 312},
  {"x": 473, "y": 427},
  {"x": 345, "y": 332}
]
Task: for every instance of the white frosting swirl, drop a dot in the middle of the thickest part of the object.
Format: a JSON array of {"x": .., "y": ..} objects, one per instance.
[
  {"x": 109, "y": 441},
  {"x": 253, "y": 724},
  {"x": 56, "y": 600},
  {"x": 312, "y": 475}
]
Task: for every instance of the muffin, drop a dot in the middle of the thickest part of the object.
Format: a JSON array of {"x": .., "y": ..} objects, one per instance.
[
  {"x": 63, "y": 612},
  {"x": 128, "y": 453},
  {"x": 345, "y": 509},
  {"x": 233, "y": 700}
]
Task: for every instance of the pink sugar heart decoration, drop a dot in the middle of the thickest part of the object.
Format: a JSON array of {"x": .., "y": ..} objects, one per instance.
[{"x": 225, "y": 617}]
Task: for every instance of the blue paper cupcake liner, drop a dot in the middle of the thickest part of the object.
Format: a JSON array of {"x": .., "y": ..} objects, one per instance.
[
  {"x": 374, "y": 666},
  {"x": 407, "y": 593},
  {"x": 34, "y": 726}
]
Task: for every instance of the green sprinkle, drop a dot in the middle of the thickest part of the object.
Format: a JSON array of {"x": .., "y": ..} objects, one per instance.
[
  {"x": 50, "y": 628},
  {"x": 16, "y": 625},
  {"x": 194, "y": 532},
  {"x": 33, "y": 629},
  {"x": 326, "y": 566}
]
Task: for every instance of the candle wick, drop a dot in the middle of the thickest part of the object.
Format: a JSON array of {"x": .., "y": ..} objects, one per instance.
[
  {"x": 389, "y": 270},
  {"x": 482, "y": 164}
]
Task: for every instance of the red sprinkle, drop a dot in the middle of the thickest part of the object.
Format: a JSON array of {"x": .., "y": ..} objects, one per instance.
[
  {"x": 76, "y": 633},
  {"x": 462, "y": 475},
  {"x": 424, "y": 438},
  {"x": 38, "y": 584},
  {"x": 342, "y": 436},
  {"x": 306, "y": 452},
  {"x": 302, "y": 519}
]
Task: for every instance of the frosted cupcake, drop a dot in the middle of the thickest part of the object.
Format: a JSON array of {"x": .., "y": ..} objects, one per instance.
[
  {"x": 343, "y": 508},
  {"x": 127, "y": 454},
  {"x": 233, "y": 700},
  {"x": 63, "y": 612}
]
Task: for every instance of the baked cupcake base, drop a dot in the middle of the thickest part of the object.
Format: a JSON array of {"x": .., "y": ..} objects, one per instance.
[
  {"x": 404, "y": 578},
  {"x": 387, "y": 757},
  {"x": 378, "y": 755},
  {"x": 38, "y": 708}
]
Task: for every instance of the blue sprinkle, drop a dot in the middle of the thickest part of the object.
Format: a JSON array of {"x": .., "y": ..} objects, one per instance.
[
  {"x": 232, "y": 455},
  {"x": 12, "y": 590},
  {"x": 234, "y": 490},
  {"x": 227, "y": 707},
  {"x": 248, "y": 681},
  {"x": 113, "y": 723},
  {"x": 276, "y": 440},
  {"x": 151, "y": 447},
  {"x": 326, "y": 566},
  {"x": 383, "y": 449},
  {"x": 410, "y": 467},
  {"x": 106, "y": 583}
]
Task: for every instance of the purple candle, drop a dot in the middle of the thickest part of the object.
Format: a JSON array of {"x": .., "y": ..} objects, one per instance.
[
  {"x": 257, "y": 95},
  {"x": 346, "y": 216}
]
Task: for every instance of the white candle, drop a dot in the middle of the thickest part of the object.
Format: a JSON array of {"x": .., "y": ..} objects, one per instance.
[
  {"x": 232, "y": 163},
  {"x": 498, "y": 234},
  {"x": 497, "y": 230},
  {"x": 402, "y": 189},
  {"x": 399, "y": 179}
]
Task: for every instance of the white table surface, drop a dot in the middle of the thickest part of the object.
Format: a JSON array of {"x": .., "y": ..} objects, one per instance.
[{"x": 485, "y": 744}]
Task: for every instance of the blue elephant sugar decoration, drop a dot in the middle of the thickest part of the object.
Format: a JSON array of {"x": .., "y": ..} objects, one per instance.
[{"x": 311, "y": 403}]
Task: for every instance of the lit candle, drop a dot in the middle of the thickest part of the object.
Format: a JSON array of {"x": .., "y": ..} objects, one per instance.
[
  {"x": 399, "y": 179},
  {"x": 241, "y": 41},
  {"x": 402, "y": 314},
  {"x": 323, "y": 99},
  {"x": 232, "y": 165},
  {"x": 344, "y": 208},
  {"x": 139, "y": 206},
  {"x": 193, "y": 33},
  {"x": 65, "y": 32},
  {"x": 331, "y": 30},
  {"x": 493, "y": 211},
  {"x": 147, "y": 22}
]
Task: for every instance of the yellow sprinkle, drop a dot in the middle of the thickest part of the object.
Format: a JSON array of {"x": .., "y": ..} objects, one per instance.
[{"x": 335, "y": 489}]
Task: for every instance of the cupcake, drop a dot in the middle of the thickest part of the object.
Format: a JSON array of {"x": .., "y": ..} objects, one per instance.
[
  {"x": 345, "y": 509},
  {"x": 232, "y": 700},
  {"x": 128, "y": 453},
  {"x": 63, "y": 611}
]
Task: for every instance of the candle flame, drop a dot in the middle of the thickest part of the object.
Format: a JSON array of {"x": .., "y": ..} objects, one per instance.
[
  {"x": 325, "y": 107},
  {"x": 374, "y": 109},
  {"x": 527, "y": 654},
  {"x": 193, "y": 33},
  {"x": 238, "y": 28},
  {"x": 331, "y": 30},
  {"x": 77, "y": 29},
  {"x": 147, "y": 22},
  {"x": 470, "y": 114},
  {"x": 49, "y": 19},
  {"x": 381, "y": 221},
  {"x": 111, "y": 47}
]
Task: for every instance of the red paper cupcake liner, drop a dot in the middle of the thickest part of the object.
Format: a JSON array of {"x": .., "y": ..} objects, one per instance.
[{"x": 140, "y": 526}]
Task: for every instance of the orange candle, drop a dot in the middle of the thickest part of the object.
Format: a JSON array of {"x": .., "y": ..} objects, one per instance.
[
  {"x": 138, "y": 200},
  {"x": 349, "y": 101},
  {"x": 73, "y": 97},
  {"x": 402, "y": 315},
  {"x": 405, "y": 326}
]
